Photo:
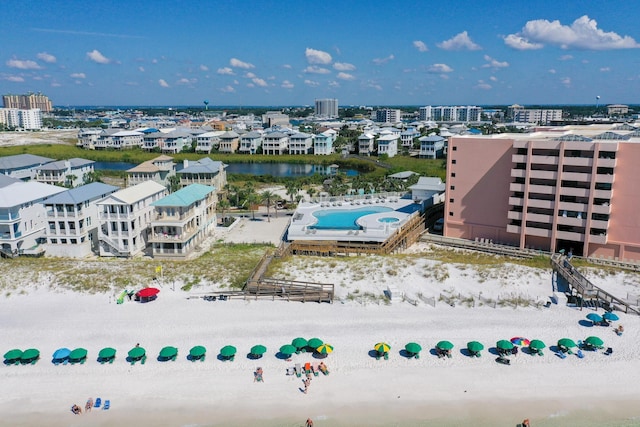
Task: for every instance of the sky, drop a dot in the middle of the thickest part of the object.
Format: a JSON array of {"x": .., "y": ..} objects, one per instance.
[{"x": 288, "y": 52}]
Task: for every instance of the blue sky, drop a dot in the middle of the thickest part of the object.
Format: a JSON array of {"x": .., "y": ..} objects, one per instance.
[{"x": 290, "y": 52}]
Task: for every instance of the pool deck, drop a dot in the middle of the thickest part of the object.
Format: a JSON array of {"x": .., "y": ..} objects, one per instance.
[{"x": 372, "y": 229}]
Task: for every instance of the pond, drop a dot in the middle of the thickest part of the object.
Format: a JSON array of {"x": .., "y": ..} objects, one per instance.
[{"x": 273, "y": 169}]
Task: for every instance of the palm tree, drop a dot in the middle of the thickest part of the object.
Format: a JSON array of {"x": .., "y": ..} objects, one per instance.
[
  {"x": 253, "y": 199},
  {"x": 292, "y": 189},
  {"x": 223, "y": 205},
  {"x": 70, "y": 179},
  {"x": 268, "y": 197},
  {"x": 311, "y": 191}
]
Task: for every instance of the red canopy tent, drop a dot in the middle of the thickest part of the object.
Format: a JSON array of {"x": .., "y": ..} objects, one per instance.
[{"x": 147, "y": 294}]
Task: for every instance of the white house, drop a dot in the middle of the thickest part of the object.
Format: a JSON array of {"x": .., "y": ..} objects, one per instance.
[
  {"x": 300, "y": 143},
  {"x": 87, "y": 137},
  {"x": 428, "y": 190},
  {"x": 204, "y": 171},
  {"x": 72, "y": 172},
  {"x": 158, "y": 170},
  {"x": 22, "y": 166},
  {"x": 182, "y": 220},
  {"x": 250, "y": 142},
  {"x": 72, "y": 220},
  {"x": 125, "y": 217},
  {"x": 205, "y": 142},
  {"x": 431, "y": 146},
  {"x": 275, "y": 143},
  {"x": 366, "y": 144},
  {"x": 229, "y": 142},
  {"x": 388, "y": 144},
  {"x": 406, "y": 137},
  {"x": 176, "y": 141},
  {"x": 323, "y": 143},
  {"x": 22, "y": 216}
]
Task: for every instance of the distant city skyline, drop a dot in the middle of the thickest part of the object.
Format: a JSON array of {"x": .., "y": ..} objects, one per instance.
[{"x": 291, "y": 53}]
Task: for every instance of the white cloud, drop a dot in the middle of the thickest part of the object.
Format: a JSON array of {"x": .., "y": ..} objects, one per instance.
[
  {"x": 345, "y": 76},
  {"x": 585, "y": 61},
  {"x": 317, "y": 56},
  {"x": 236, "y": 82},
  {"x": 288, "y": 66},
  {"x": 250, "y": 85},
  {"x": 483, "y": 85},
  {"x": 566, "y": 81},
  {"x": 380, "y": 61},
  {"x": 132, "y": 83},
  {"x": 204, "y": 67},
  {"x": 250, "y": 75},
  {"x": 259, "y": 82},
  {"x": 226, "y": 70},
  {"x": 287, "y": 84},
  {"x": 493, "y": 78},
  {"x": 460, "y": 41},
  {"x": 15, "y": 79},
  {"x": 520, "y": 43},
  {"x": 23, "y": 64},
  {"x": 605, "y": 69},
  {"x": 228, "y": 89},
  {"x": 311, "y": 83},
  {"x": 163, "y": 83},
  {"x": 234, "y": 62},
  {"x": 78, "y": 75},
  {"x": 566, "y": 58},
  {"x": 439, "y": 68},
  {"x": 46, "y": 57},
  {"x": 98, "y": 57},
  {"x": 334, "y": 84},
  {"x": 552, "y": 71},
  {"x": 185, "y": 81},
  {"x": 492, "y": 63},
  {"x": 344, "y": 66},
  {"x": 314, "y": 69},
  {"x": 374, "y": 85},
  {"x": 141, "y": 69},
  {"x": 154, "y": 61},
  {"x": 419, "y": 44},
  {"x": 583, "y": 33}
]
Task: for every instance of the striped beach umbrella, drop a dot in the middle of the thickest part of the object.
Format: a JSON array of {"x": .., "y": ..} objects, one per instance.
[
  {"x": 325, "y": 349},
  {"x": 382, "y": 347}
]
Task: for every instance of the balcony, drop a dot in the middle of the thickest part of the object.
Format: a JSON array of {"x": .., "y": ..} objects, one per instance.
[
  {"x": 576, "y": 192},
  {"x": 575, "y": 176},
  {"x": 602, "y": 194},
  {"x": 542, "y": 189},
  {"x": 574, "y": 222},
  {"x": 606, "y": 163},
  {"x": 518, "y": 173},
  {"x": 545, "y": 219},
  {"x": 543, "y": 204},
  {"x": 604, "y": 179},
  {"x": 600, "y": 239},
  {"x": 540, "y": 232},
  {"x": 513, "y": 229},
  {"x": 516, "y": 187},
  {"x": 544, "y": 160},
  {"x": 568, "y": 235},
  {"x": 601, "y": 209},
  {"x": 516, "y": 201},
  {"x": 184, "y": 236},
  {"x": 536, "y": 174},
  {"x": 577, "y": 161},
  {"x": 599, "y": 224},
  {"x": 116, "y": 216},
  {"x": 514, "y": 215},
  {"x": 575, "y": 207},
  {"x": 519, "y": 158}
]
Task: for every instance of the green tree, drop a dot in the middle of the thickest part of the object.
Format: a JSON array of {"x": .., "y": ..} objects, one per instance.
[
  {"x": 70, "y": 180},
  {"x": 253, "y": 199},
  {"x": 90, "y": 177},
  {"x": 173, "y": 183},
  {"x": 269, "y": 197}
]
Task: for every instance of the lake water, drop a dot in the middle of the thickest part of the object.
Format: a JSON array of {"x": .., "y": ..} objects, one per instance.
[{"x": 273, "y": 169}]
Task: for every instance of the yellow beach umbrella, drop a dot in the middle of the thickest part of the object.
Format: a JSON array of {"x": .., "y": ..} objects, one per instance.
[
  {"x": 325, "y": 349},
  {"x": 382, "y": 347}
]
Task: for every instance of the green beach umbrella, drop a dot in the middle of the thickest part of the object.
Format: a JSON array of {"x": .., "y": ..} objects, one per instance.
[
  {"x": 474, "y": 346},
  {"x": 594, "y": 341},
  {"x": 168, "y": 352},
  {"x": 504, "y": 345},
  {"x": 325, "y": 349},
  {"x": 287, "y": 349},
  {"x": 299, "y": 342},
  {"x": 444, "y": 345},
  {"x": 30, "y": 354},
  {"x": 78, "y": 354},
  {"x": 228, "y": 351},
  {"x": 13, "y": 354},
  {"x": 413, "y": 348},
  {"x": 258, "y": 350},
  {"x": 136, "y": 352},
  {"x": 566, "y": 342},
  {"x": 382, "y": 347},
  {"x": 315, "y": 342},
  {"x": 107, "y": 353},
  {"x": 537, "y": 345},
  {"x": 197, "y": 351}
]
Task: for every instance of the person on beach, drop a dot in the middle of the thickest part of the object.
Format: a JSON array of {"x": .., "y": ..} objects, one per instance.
[
  {"x": 306, "y": 382},
  {"x": 76, "y": 410},
  {"x": 89, "y": 405},
  {"x": 619, "y": 330},
  {"x": 309, "y": 423},
  {"x": 257, "y": 377},
  {"x": 526, "y": 423},
  {"x": 514, "y": 351}
]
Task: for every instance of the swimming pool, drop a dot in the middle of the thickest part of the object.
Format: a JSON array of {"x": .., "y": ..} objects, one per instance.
[
  {"x": 388, "y": 219},
  {"x": 340, "y": 219}
]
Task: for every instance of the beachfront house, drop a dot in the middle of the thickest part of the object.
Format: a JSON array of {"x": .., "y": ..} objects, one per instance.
[
  {"x": 66, "y": 173},
  {"x": 407, "y": 136},
  {"x": 323, "y": 143},
  {"x": 22, "y": 166},
  {"x": 301, "y": 143},
  {"x": 366, "y": 144},
  {"x": 72, "y": 220},
  {"x": 182, "y": 220},
  {"x": 87, "y": 137},
  {"x": 428, "y": 190},
  {"x": 388, "y": 144},
  {"x": 158, "y": 170},
  {"x": 205, "y": 142},
  {"x": 153, "y": 140},
  {"x": 22, "y": 216},
  {"x": 176, "y": 141},
  {"x": 250, "y": 142},
  {"x": 126, "y": 139},
  {"x": 125, "y": 217},
  {"x": 204, "y": 171},
  {"x": 275, "y": 143},
  {"x": 431, "y": 147},
  {"x": 229, "y": 142}
]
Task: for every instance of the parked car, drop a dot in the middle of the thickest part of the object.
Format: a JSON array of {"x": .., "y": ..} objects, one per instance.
[{"x": 438, "y": 225}]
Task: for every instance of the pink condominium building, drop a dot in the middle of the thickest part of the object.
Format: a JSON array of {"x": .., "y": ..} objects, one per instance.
[{"x": 573, "y": 188}]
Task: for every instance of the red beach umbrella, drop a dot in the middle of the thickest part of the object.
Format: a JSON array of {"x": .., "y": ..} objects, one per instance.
[{"x": 148, "y": 292}]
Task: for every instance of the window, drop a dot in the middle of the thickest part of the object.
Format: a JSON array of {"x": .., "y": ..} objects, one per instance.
[
  {"x": 450, "y": 213},
  {"x": 453, "y": 187},
  {"x": 451, "y": 200},
  {"x": 453, "y": 161},
  {"x": 454, "y": 148},
  {"x": 453, "y": 174}
]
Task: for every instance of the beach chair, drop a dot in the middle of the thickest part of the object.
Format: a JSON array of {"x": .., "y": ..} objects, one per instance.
[
  {"x": 291, "y": 371},
  {"x": 307, "y": 368},
  {"x": 580, "y": 354},
  {"x": 144, "y": 359},
  {"x": 314, "y": 369},
  {"x": 609, "y": 351},
  {"x": 561, "y": 355},
  {"x": 97, "y": 403},
  {"x": 107, "y": 405},
  {"x": 386, "y": 355},
  {"x": 503, "y": 360},
  {"x": 298, "y": 369}
]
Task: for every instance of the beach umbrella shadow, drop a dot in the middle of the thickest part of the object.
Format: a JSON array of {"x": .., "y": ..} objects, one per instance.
[
  {"x": 282, "y": 356},
  {"x": 466, "y": 352},
  {"x": 373, "y": 354},
  {"x": 252, "y": 356},
  {"x": 494, "y": 351},
  {"x": 585, "y": 323},
  {"x": 405, "y": 353},
  {"x": 433, "y": 351}
]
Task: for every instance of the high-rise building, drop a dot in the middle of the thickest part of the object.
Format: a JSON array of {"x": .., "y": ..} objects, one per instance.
[
  {"x": 466, "y": 113},
  {"x": 572, "y": 188},
  {"x": 326, "y": 107},
  {"x": 519, "y": 114},
  {"x": 27, "y": 102},
  {"x": 388, "y": 116},
  {"x": 25, "y": 119}
]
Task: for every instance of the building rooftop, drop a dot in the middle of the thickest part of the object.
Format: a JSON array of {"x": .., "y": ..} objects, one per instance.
[
  {"x": 95, "y": 190},
  {"x": 427, "y": 183},
  {"x": 134, "y": 194},
  {"x": 7, "y": 180},
  {"x": 22, "y": 161},
  {"x": 21, "y": 192},
  {"x": 185, "y": 196},
  {"x": 62, "y": 164},
  {"x": 204, "y": 165}
]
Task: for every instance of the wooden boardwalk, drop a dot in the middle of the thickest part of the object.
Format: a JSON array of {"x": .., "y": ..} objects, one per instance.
[{"x": 587, "y": 291}]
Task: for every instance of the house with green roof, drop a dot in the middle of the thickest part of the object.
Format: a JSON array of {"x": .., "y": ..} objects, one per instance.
[{"x": 182, "y": 220}]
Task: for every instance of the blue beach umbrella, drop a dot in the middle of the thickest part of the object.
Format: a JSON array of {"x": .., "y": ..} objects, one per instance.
[
  {"x": 594, "y": 317},
  {"x": 61, "y": 353},
  {"x": 610, "y": 316}
]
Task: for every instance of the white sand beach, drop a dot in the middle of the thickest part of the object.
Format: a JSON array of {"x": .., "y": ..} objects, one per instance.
[{"x": 598, "y": 390}]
